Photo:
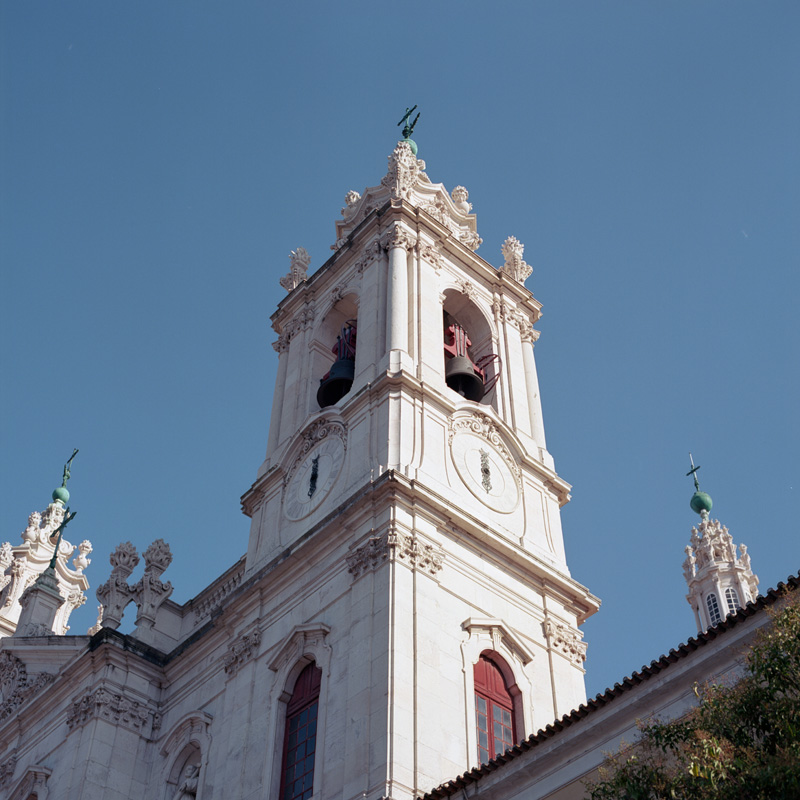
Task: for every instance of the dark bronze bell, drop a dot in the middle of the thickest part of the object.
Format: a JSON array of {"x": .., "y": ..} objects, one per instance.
[
  {"x": 336, "y": 384},
  {"x": 461, "y": 377}
]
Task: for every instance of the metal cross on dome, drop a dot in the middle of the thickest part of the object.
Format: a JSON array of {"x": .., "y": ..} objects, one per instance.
[{"x": 693, "y": 473}]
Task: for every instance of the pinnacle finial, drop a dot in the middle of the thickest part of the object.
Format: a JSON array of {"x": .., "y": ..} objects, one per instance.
[
  {"x": 408, "y": 127},
  {"x": 61, "y": 494},
  {"x": 701, "y": 502}
]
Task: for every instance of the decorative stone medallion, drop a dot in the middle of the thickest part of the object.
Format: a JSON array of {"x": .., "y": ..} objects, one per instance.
[
  {"x": 485, "y": 472},
  {"x": 484, "y": 463}
]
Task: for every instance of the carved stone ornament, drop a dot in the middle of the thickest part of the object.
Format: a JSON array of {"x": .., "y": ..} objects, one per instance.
[
  {"x": 298, "y": 269},
  {"x": 437, "y": 208},
  {"x": 466, "y": 287},
  {"x": 480, "y": 424},
  {"x": 351, "y": 200},
  {"x": 405, "y": 169},
  {"x": 33, "y": 784},
  {"x": 242, "y": 650},
  {"x": 370, "y": 253},
  {"x": 393, "y": 545},
  {"x": 115, "y": 708},
  {"x": 398, "y": 236},
  {"x": 316, "y": 432},
  {"x": 22, "y": 565},
  {"x": 16, "y": 687},
  {"x": 712, "y": 546},
  {"x": 514, "y": 266},
  {"x": 506, "y": 312},
  {"x": 460, "y": 197},
  {"x": 299, "y": 322},
  {"x": 469, "y": 239},
  {"x": 565, "y": 641},
  {"x": 432, "y": 255},
  {"x": 150, "y": 592},
  {"x": 115, "y": 593},
  {"x": 7, "y": 770},
  {"x": 188, "y": 783}
]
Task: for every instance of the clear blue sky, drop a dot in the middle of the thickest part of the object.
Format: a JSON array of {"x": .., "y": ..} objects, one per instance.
[{"x": 161, "y": 159}]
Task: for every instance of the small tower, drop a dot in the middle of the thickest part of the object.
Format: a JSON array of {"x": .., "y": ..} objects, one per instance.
[
  {"x": 40, "y": 563},
  {"x": 720, "y": 578}
]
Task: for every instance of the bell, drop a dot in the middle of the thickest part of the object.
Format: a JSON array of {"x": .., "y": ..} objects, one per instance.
[
  {"x": 461, "y": 377},
  {"x": 336, "y": 384}
]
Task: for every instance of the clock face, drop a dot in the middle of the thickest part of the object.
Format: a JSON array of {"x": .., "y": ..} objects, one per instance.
[
  {"x": 485, "y": 472},
  {"x": 313, "y": 478}
]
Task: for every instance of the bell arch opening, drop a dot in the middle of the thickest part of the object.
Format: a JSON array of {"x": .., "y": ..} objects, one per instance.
[
  {"x": 471, "y": 367},
  {"x": 333, "y": 353}
]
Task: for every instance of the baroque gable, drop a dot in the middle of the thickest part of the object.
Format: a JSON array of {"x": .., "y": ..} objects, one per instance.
[{"x": 406, "y": 181}]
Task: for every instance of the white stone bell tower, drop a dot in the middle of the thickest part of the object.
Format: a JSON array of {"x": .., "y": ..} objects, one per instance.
[
  {"x": 407, "y": 507},
  {"x": 719, "y": 575}
]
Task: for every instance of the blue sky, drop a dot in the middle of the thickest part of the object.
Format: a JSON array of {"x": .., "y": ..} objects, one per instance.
[{"x": 161, "y": 159}]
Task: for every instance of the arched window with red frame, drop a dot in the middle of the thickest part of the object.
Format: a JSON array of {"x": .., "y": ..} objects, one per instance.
[
  {"x": 494, "y": 708},
  {"x": 300, "y": 736}
]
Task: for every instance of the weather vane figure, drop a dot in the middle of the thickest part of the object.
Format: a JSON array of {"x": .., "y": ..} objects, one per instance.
[
  {"x": 408, "y": 127},
  {"x": 66, "y": 475}
]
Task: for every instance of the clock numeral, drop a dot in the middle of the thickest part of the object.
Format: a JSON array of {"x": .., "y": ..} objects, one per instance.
[{"x": 486, "y": 472}]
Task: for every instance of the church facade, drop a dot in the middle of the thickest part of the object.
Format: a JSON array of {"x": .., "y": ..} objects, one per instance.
[{"x": 404, "y": 612}]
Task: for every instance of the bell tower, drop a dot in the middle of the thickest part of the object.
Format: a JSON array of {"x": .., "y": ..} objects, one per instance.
[{"x": 407, "y": 506}]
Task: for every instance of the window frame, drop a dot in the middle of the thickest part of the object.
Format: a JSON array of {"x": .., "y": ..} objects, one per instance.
[
  {"x": 495, "y": 700},
  {"x": 714, "y": 611},
  {"x": 732, "y": 602},
  {"x": 305, "y": 698}
]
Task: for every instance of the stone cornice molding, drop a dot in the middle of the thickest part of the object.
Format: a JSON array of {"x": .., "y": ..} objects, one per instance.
[
  {"x": 393, "y": 545},
  {"x": 502, "y": 637},
  {"x": 287, "y": 330},
  {"x": 208, "y": 602},
  {"x": 565, "y": 640},
  {"x": 506, "y": 312},
  {"x": 116, "y": 708}
]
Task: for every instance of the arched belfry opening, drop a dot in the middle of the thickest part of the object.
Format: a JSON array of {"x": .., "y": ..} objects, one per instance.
[
  {"x": 471, "y": 366},
  {"x": 333, "y": 351}
]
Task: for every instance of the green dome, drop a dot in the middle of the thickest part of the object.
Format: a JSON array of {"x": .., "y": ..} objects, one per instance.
[
  {"x": 61, "y": 495},
  {"x": 701, "y": 502},
  {"x": 413, "y": 145}
]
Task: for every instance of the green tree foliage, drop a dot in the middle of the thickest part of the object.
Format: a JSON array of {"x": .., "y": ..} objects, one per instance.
[{"x": 741, "y": 741}]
